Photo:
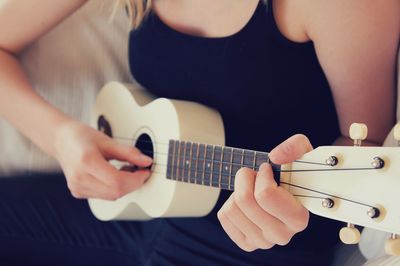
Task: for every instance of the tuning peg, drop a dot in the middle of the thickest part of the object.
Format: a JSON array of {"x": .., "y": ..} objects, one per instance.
[
  {"x": 396, "y": 133},
  {"x": 349, "y": 234},
  {"x": 392, "y": 245},
  {"x": 358, "y": 132}
]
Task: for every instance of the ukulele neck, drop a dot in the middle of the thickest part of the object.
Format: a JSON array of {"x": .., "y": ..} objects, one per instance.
[{"x": 211, "y": 165}]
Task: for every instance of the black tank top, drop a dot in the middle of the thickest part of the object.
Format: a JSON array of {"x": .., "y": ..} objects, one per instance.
[{"x": 266, "y": 88}]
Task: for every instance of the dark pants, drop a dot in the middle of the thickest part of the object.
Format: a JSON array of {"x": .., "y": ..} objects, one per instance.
[{"x": 42, "y": 224}]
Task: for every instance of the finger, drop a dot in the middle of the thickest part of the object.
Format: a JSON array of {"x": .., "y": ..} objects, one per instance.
[
  {"x": 272, "y": 228},
  {"x": 279, "y": 202},
  {"x": 91, "y": 187},
  {"x": 115, "y": 150},
  {"x": 234, "y": 233},
  {"x": 252, "y": 232},
  {"x": 291, "y": 149},
  {"x": 121, "y": 181}
]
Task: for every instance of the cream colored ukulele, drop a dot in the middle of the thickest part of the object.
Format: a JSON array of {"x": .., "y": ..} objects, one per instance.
[{"x": 356, "y": 185}]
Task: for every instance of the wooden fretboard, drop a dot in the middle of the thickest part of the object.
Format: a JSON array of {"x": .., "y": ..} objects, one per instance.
[{"x": 211, "y": 165}]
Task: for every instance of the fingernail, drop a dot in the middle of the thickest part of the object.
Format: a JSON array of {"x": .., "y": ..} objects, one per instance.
[{"x": 145, "y": 158}]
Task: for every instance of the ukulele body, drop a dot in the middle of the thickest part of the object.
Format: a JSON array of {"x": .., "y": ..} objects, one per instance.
[{"x": 133, "y": 114}]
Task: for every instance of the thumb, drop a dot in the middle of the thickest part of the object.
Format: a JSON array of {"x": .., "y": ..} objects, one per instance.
[
  {"x": 291, "y": 149},
  {"x": 115, "y": 150}
]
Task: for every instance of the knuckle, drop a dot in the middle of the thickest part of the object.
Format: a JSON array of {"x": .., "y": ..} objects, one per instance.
[
  {"x": 244, "y": 198},
  {"x": 229, "y": 209},
  {"x": 261, "y": 242},
  {"x": 301, "y": 222},
  {"x": 265, "y": 195},
  {"x": 77, "y": 178},
  {"x": 221, "y": 215},
  {"x": 244, "y": 245},
  {"x": 116, "y": 193},
  {"x": 72, "y": 186},
  {"x": 111, "y": 196},
  {"x": 283, "y": 240},
  {"x": 76, "y": 194},
  {"x": 86, "y": 156},
  {"x": 265, "y": 245}
]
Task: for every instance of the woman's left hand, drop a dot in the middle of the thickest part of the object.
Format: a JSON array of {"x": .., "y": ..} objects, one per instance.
[{"x": 259, "y": 213}]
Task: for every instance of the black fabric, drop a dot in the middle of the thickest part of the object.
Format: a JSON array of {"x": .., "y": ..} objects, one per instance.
[
  {"x": 41, "y": 224},
  {"x": 266, "y": 88}
]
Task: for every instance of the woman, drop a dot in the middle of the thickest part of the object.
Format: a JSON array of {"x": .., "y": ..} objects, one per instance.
[{"x": 271, "y": 69}]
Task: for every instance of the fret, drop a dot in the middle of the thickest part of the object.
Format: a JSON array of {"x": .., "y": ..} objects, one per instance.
[
  {"x": 254, "y": 160},
  {"x": 248, "y": 160},
  {"x": 215, "y": 182},
  {"x": 181, "y": 160},
  {"x": 193, "y": 163},
  {"x": 202, "y": 164},
  {"x": 261, "y": 157},
  {"x": 226, "y": 167},
  {"x": 189, "y": 158},
  {"x": 176, "y": 160},
  {"x": 237, "y": 157},
  {"x": 170, "y": 162},
  {"x": 242, "y": 161},
  {"x": 207, "y": 163},
  {"x": 186, "y": 161},
  {"x": 197, "y": 164},
  {"x": 178, "y": 149},
  {"x": 230, "y": 170},
  {"x": 212, "y": 165}
]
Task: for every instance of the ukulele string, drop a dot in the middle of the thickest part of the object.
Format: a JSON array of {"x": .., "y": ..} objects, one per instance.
[
  {"x": 327, "y": 194},
  {"x": 205, "y": 160},
  {"x": 227, "y": 187},
  {"x": 164, "y": 153},
  {"x": 182, "y": 169}
]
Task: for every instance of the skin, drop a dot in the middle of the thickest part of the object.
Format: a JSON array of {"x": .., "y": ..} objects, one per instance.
[{"x": 356, "y": 43}]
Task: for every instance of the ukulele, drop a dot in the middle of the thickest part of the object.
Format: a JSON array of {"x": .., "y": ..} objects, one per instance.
[{"x": 356, "y": 185}]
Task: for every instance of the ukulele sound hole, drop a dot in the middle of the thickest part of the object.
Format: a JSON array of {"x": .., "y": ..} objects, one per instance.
[
  {"x": 104, "y": 126},
  {"x": 145, "y": 145}
]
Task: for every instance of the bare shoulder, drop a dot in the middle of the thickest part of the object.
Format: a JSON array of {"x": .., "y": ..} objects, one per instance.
[
  {"x": 356, "y": 43},
  {"x": 343, "y": 17},
  {"x": 23, "y": 21}
]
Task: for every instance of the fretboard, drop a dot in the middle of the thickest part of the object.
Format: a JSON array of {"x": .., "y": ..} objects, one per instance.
[{"x": 211, "y": 165}]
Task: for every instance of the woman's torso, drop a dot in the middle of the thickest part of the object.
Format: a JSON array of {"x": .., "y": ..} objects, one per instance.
[{"x": 266, "y": 88}]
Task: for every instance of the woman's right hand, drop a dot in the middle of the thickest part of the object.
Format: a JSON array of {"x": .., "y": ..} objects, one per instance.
[{"x": 83, "y": 153}]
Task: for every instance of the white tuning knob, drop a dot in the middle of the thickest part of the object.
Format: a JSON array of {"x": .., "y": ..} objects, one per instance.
[
  {"x": 358, "y": 132},
  {"x": 349, "y": 234},
  {"x": 392, "y": 246},
  {"x": 396, "y": 132}
]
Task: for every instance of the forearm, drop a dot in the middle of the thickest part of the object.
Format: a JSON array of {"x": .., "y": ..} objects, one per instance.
[{"x": 24, "y": 108}]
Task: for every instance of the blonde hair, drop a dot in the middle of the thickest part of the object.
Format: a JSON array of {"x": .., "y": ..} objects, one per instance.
[{"x": 138, "y": 9}]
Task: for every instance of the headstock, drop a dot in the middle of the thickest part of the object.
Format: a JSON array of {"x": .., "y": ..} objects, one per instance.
[{"x": 356, "y": 185}]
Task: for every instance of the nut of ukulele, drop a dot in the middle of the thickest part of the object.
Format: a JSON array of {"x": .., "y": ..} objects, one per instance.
[
  {"x": 349, "y": 234},
  {"x": 392, "y": 246},
  {"x": 358, "y": 132}
]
